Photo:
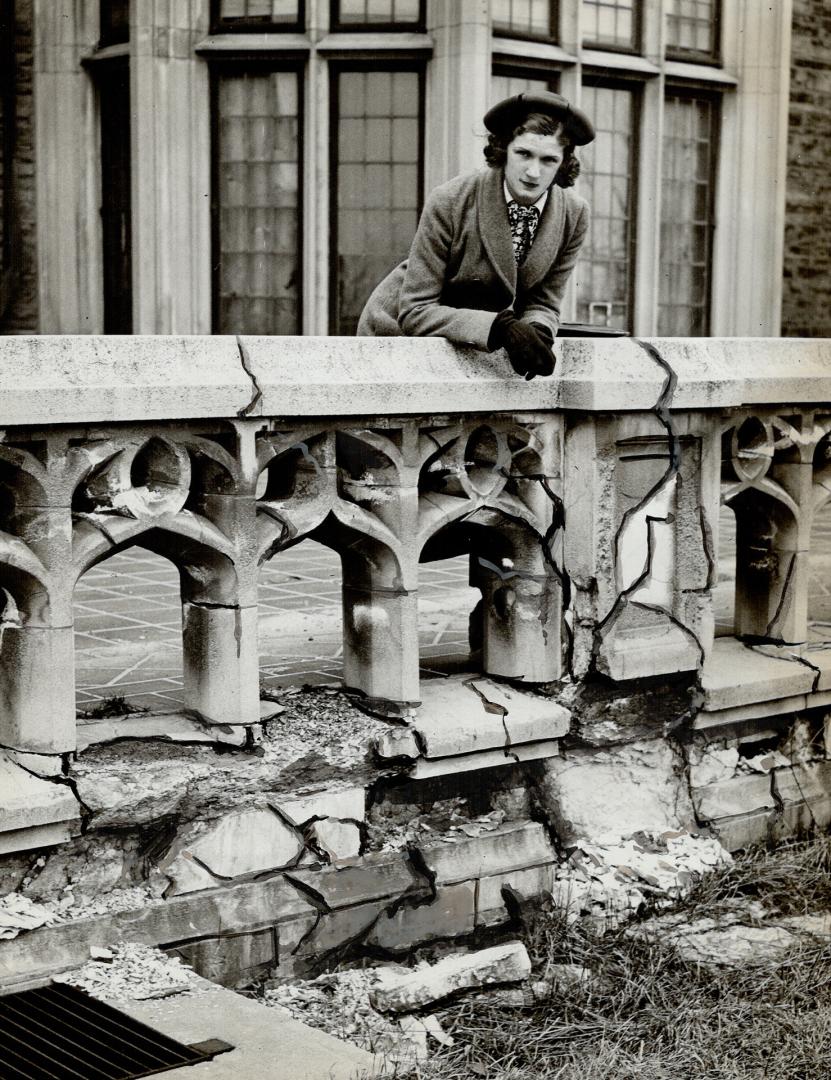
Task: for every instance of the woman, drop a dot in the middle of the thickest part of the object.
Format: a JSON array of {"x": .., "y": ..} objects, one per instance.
[{"x": 494, "y": 248}]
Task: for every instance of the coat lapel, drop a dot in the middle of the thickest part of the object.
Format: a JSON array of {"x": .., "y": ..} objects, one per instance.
[
  {"x": 547, "y": 241},
  {"x": 494, "y": 228}
]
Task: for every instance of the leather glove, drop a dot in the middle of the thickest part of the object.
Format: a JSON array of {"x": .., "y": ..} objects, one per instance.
[{"x": 528, "y": 345}]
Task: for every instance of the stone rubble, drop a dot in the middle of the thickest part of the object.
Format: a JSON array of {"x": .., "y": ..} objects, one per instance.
[
  {"x": 610, "y": 882},
  {"x": 133, "y": 972},
  {"x": 18, "y": 913}
]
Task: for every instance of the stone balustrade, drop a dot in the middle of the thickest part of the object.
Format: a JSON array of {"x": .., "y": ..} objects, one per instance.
[{"x": 589, "y": 503}]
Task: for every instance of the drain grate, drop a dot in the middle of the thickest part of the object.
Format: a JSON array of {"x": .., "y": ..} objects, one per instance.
[{"x": 60, "y": 1033}]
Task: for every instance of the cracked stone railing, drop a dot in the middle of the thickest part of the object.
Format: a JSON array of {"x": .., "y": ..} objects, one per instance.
[{"x": 589, "y": 503}]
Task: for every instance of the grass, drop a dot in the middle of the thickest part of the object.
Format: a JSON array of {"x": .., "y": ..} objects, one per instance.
[{"x": 647, "y": 1015}]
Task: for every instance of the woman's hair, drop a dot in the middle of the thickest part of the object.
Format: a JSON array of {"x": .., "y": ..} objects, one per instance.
[{"x": 496, "y": 151}]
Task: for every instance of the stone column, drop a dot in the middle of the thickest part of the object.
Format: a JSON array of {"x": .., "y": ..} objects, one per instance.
[{"x": 170, "y": 152}]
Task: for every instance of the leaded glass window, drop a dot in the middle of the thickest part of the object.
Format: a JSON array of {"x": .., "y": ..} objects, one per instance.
[
  {"x": 603, "y": 273},
  {"x": 376, "y": 182},
  {"x": 257, "y": 205},
  {"x": 687, "y": 216},
  {"x": 526, "y": 18},
  {"x": 611, "y": 23},
  {"x": 507, "y": 83},
  {"x": 393, "y": 14},
  {"x": 258, "y": 14},
  {"x": 692, "y": 27}
]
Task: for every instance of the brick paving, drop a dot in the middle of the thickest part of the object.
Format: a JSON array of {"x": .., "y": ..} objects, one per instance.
[{"x": 128, "y": 620}]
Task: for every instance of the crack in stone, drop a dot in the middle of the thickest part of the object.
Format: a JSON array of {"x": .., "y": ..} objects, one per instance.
[
  {"x": 494, "y": 708},
  {"x": 784, "y": 597},
  {"x": 246, "y": 410},
  {"x": 790, "y": 658}
]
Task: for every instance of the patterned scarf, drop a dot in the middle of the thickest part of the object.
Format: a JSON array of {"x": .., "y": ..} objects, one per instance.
[{"x": 524, "y": 221}]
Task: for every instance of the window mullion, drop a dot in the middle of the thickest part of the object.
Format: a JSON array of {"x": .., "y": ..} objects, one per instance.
[
  {"x": 316, "y": 179},
  {"x": 648, "y": 208}
]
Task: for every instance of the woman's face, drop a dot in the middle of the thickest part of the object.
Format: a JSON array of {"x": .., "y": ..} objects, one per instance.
[{"x": 531, "y": 165}]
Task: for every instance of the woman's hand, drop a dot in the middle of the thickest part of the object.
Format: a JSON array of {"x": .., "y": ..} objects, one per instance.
[{"x": 528, "y": 345}]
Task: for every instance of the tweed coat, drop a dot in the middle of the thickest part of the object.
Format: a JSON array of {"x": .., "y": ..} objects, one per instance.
[{"x": 461, "y": 271}]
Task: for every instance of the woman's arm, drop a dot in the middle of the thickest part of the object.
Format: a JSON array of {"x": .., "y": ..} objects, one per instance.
[
  {"x": 542, "y": 304},
  {"x": 421, "y": 313}
]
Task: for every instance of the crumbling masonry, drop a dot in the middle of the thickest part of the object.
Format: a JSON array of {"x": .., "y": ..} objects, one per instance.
[{"x": 257, "y": 836}]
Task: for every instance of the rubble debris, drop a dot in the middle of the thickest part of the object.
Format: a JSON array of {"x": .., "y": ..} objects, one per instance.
[
  {"x": 103, "y": 956},
  {"x": 135, "y": 973},
  {"x": 18, "y": 913},
  {"x": 397, "y": 992},
  {"x": 610, "y": 882}
]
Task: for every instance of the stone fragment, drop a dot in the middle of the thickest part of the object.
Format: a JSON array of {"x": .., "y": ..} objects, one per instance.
[
  {"x": 348, "y": 803},
  {"x": 742, "y": 794},
  {"x": 398, "y": 742},
  {"x": 396, "y": 992},
  {"x": 335, "y": 840},
  {"x": 240, "y": 843},
  {"x": 711, "y": 764},
  {"x": 17, "y": 914},
  {"x": 424, "y": 769},
  {"x": 604, "y": 796},
  {"x": 173, "y": 727},
  {"x": 103, "y": 956},
  {"x": 415, "y": 1032},
  {"x": 28, "y": 803},
  {"x": 45, "y": 765}
]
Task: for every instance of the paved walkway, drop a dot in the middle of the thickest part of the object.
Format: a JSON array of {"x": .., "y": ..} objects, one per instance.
[{"x": 128, "y": 620}]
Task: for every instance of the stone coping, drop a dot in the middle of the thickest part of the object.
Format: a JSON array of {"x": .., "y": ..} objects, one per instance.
[{"x": 47, "y": 380}]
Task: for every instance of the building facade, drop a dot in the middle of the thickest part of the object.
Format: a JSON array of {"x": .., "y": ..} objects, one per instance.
[{"x": 256, "y": 166}]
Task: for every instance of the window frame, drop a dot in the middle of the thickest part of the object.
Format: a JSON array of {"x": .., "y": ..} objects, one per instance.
[
  {"x": 109, "y": 38},
  {"x": 336, "y": 68},
  {"x": 519, "y": 68},
  {"x": 338, "y": 26},
  {"x": 7, "y": 151},
  {"x": 604, "y": 81},
  {"x": 715, "y": 98},
  {"x": 637, "y": 46},
  {"x": 551, "y": 38},
  {"x": 259, "y": 63},
  {"x": 256, "y": 24},
  {"x": 696, "y": 56}
]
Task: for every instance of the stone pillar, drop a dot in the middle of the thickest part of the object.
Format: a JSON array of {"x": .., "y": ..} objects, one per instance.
[
  {"x": 171, "y": 169},
  {"x": 67, "y": 140},
  {"x": 458, "y": 83}
]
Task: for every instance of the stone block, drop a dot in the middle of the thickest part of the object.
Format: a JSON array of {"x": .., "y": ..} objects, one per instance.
[
  {"x": 603, "y": 796},
  {"x": 735, "y": 674},
  {"x": 398, "y": 742},
  {"x": 374, "y": 877},
  {"x": 805, "y": 783},
  {"x": 28, "y": 803},
  {"x": 742, "y": 794},
  {"x": 462, "y": 715},
  {"x": 37, "y": 714},
  {"x": 658, "y": 646},
  {"x": 451, "y": 914},
  {"x": 490, "y": 903},
  {"x": 37, "y": 836},
  {"x": 221, "y": 663},
  {"x": 48, "y": 766},
  {"x": 335, "y": 840},
  {"x": 408, "y": 991},
  {"x": 513, "y": 847},
  {"x": 337, "y": 930},
  {"x": 249, "y": 841},
  {"x": 711, "y": 764},
  {"x": 233, "y": 960},
  {"x": 349, "y": 803},
  {"x": 380, "y": 642},
  {"x": 423, "y": 769}
]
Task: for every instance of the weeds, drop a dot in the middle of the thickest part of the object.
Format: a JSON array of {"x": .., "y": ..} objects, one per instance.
[{"x": 645, "y": 1014}]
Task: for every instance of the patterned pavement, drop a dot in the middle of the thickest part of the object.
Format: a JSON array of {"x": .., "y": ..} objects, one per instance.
[{"x": 128, "y": 621}]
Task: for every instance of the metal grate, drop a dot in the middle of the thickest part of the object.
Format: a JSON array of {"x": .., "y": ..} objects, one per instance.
[{"x": 60, "y": 1033}]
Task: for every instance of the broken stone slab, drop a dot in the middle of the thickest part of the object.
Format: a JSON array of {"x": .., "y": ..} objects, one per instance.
[
  {"x": 245, "y": 842},
  {"x": 516, "y": 846},
  {"x": 450, "y": 913},
  {"x": 744, "y": 793},
  {"x": 711, "y": 764},
  {"x": 422, "y": 769},
  {"x": 522, "y": 885},
  {"x": 464, "y": 714},
  {"x": 28, "y": 803},
  {"x": 335, "y": 840},
  {"x": 385, "y": 876},
  {"x": 18, "y": 913},
  {"x": 239, "y": 908},
  {"x": 175, "y": 727},
  {"x": 47, "y": 766},
  {"x": 603, "y": 796},
  {"x": 346, "y": 804},
  {"x": 735, "y": 674},
  {"x": 396, "y": 992}
]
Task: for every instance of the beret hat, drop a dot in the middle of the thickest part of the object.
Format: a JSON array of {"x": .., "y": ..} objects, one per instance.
[{"x": 510, "y": 113}]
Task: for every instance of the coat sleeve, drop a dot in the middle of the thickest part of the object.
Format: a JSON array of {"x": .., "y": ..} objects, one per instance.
[
  {"x": 420, "y": 311},
  {"x": 542, "y": 304}
]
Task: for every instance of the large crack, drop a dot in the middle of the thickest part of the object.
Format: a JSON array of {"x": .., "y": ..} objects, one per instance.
[{"x": 246, "y": 410}]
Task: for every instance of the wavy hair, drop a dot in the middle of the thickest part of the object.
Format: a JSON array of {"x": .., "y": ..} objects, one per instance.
[{"x": 496, "y": 150}]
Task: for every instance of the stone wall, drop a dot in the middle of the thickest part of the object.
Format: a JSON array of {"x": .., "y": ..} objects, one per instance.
[
  {"x": 22, "y": 314},
  {"x": 806, "y": 304}
]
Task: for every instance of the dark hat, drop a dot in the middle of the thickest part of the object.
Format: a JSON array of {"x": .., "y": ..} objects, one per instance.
[{"x": 510, "y": 113}]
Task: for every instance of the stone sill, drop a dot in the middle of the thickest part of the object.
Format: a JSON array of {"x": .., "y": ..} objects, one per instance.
[
  {"x": 742, "y": 682},
  {"x": 34, "y": 812},
  {"x": 48, "y": 380}
]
